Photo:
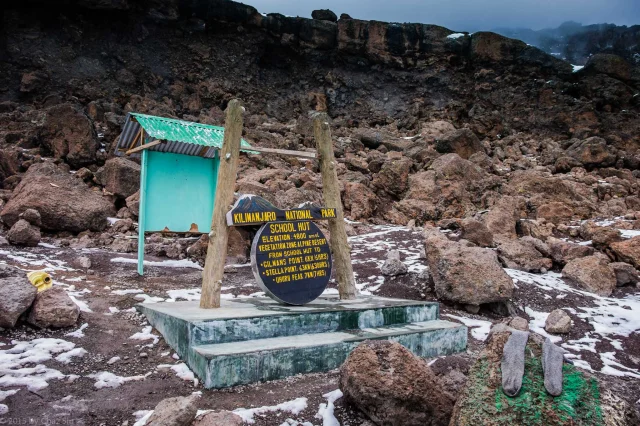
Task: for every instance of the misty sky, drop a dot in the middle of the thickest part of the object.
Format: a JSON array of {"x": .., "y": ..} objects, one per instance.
[{"x": 468, "y": 15}]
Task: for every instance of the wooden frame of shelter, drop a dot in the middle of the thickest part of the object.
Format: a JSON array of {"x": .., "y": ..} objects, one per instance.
[{"x": 184, "y": 184}]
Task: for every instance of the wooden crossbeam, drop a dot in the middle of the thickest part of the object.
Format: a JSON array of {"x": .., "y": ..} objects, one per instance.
[
  {"x": 143, "y": 147},
  {"x": 301, "y": 154}
]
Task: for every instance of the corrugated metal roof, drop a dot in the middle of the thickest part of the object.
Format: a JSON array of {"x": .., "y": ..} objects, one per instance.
[{"x": 182, "y": 137}]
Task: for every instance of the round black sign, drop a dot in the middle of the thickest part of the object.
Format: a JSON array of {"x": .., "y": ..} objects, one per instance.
[{"x": 291, "y": 261}]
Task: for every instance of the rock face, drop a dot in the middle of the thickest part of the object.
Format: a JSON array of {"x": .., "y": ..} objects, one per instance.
[
  {"x": 558, "y": 322},
  {"x": 18, "y": 294},
  {"x": 483, "y": 402},
  {"x": 469, "y": 275},
  {"x": 628, "y": 251},
  {"x": 178, "y": 411},
  {"x": 393, "y": 266},
  {"x": 119, "y": 176},
  {"x": 592, "y": 273},
  {"x": 394, "y": 387},
  {"x": 53, "y": 308},
  {"x": 65, "y": 203},
  {"x": 22, "y": 233},
  {"x": 222, "y": 418}
]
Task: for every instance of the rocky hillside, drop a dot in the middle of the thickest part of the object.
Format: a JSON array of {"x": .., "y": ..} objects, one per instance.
[
  {"x": 575, "y": 42},
  {"x": 428, "y": 124}
]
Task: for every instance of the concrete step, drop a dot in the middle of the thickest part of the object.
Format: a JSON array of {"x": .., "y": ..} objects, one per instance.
[
  {"x": 184, "y": 324},
  {"x": 229, "y": 364}
]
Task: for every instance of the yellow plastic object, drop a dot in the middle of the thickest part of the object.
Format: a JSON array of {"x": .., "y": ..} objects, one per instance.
[{"x": 40, "y": 279}]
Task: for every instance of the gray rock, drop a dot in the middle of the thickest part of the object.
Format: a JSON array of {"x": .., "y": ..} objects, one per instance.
[
  {"x": 53, "y": 308},
  {"x": 22, "y": 233},
  {"x": 178, "y": 411},
  {"x": 468, "y": 275},
  {"x": 519, "y": 323},
  {"x": 221, "y": 418},
  {"x": 32, "y": 216},
  {"x": 552, "y": 359},
  {"x": 84, "y": 262},
  {"x": 625, "y": 274},
  {"x": 393, "y": 266},
  {"x": 18, "y": 294},
  {"x": 558, "y": 322},
  {"x": 513, "y": 362},
  {"x": 3, "y": 241}
]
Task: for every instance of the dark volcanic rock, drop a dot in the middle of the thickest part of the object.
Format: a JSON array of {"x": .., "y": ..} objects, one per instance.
[
  {"x": 394, "y": 387},
  {"x": 324, "y": 15},
  {"x": 22, "y": 233},
  {"x": 119, "y": 176},
  {"x": 65, "y": 203},
  {"x": 462, "y": 142},
  {"x": 18, "y": 294}
]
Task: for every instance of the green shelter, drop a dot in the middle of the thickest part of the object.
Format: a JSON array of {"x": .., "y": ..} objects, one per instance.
[{"x": 179, "y": 173}]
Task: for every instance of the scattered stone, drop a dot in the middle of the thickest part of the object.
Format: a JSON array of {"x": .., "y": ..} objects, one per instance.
[
  {"x": 628, "y": 251},
  {"x": 393, "y": 266},
  {"x": 394, "y": 387},
  {"x": 519, "y": 323},
  {"x": 18, "y": 295},
  {"x": 32, "y": 216},
  {"x": 53, "y": 308},
  {"x": 22, "y": 233},
  {"x": 221, "y": 418},
  {"x": 177, "y": 411},
  {"x": 558, "y": 322},
  {"x": 476, "y": 232},
  {"x": 84, "y": 262},
  {"x": 468, "y": 275},
  {"x": 625, "y": 274},
  {"x": 554, "y": 212},
  {"x": 591, "y": 273}
]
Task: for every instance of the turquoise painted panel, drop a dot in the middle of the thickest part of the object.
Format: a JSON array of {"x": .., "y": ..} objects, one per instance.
[{"x": 180, "y": 190}]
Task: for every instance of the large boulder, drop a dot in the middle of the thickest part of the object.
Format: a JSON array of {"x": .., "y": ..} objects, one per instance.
[
  {"x": 483, "y": 401},
  {"x": 476, "y": 232},
  {"x": 64, "y": 203},
  {"x": 592, "y": 153},
  {"x": 628, "y": 251},
  {"x": 53, "y": 308},
  {"x": 393, "y": 266},
  {"x": 554, "y": 212},
  {"x": 565, "y": 251},
  {"x": 178, "y": 411},
  {"x": 468, "y": 275},
  {"x": 625, "y": 274},
  {"x": 462, "y": 142},
  {"x": 522, "y": 254},
  {"x": 18, "y": 294},
  {"x": 503, "y": 216},
  {"x": 324, "y": 15},
  {"x": 119, "y": 176},
  {"x": 69, "y": 134},
  {"x": 591, "y": 273},
  {"x": 394, "y": 176},
  {"x": 612, "y": 65},
  {"x": 393, "y": 387},
  {"x": 558, "y": 322},
  {"x": 359, "y": 200},
  {"x": 22, "y": 233}
]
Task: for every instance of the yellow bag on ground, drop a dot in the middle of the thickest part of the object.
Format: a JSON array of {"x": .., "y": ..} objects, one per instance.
[{"x": 40, "y": 279}]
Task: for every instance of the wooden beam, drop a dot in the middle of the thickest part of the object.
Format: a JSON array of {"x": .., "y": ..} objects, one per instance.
[
  {"x": 143, "y": 147},
  {"x": 301, "y": 154},
  {"x": 219, "y": 235},
  {"x": 331, "y": 194}
]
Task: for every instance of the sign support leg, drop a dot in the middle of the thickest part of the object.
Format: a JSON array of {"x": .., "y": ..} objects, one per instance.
[
  {"x": 331, "y": 194},
  {"x": 142, "y": 210},
  {"x": 219, "y": 235}
]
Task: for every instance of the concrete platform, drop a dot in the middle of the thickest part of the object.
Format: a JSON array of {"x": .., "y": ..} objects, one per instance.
[{"x": 255, "y": 339}]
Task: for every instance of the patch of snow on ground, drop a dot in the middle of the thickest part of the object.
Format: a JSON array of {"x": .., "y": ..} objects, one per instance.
[
  {"x": 479, "y": 328},
  {"x": 577, "y": 68},
  {"x": 455, "y": 35},
  {"x": 36, "y": 351},
  {"x": 181, "y": 370},
  {"x": 79, "y": 332},
  {"x": 629, "y": 233},
  {"x": 36, "y": 262},
  {"x": 294, "y": 407},
  {"x": 127, "y": 291},
  {"x": 142, "y": 417},
  {"x": 145, "y": 334},
  {"x": 104, "y": 379},
  {"x": 325, "y": 411},
  {"x": 190, "y": 294},
  {"x": 183, "y": 263},
  {"x": 45, "y": 245},
  {"x": 66, "y": 357}
]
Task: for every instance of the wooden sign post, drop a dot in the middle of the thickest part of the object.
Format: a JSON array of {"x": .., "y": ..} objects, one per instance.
[
  {"x": 219, "y": 235},
  {"x": 331, "y": 194}
]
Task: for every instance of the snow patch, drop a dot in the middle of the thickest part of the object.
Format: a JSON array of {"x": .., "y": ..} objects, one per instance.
[
  {"x": 145, "y": 334},
  {"x": 183, "y": 263},
  {"x": 181, "y": 370},
  {"x": 295, "y": 407},
  {"x": 455, "y": 35},
  {"x": 104, "y": 379},
  {"x": 325, "y": 411},
  {"x": 79, "y": 332},
  {"x": 479, "y": 328}
]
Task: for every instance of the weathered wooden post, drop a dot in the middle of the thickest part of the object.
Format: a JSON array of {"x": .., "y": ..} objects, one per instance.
[
  {"x": 219, "y": 235},
  {"x": 331, "y": 194}
]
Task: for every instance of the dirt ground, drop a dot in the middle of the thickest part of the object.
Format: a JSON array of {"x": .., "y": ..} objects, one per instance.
[{"x": 110, "y": 290}]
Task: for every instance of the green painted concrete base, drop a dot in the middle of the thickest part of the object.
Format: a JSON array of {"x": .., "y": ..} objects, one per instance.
[{"x": 251, "y": 340}]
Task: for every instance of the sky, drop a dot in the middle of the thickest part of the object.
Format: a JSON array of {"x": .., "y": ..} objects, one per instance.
[{"x": 468, "y": 15}]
